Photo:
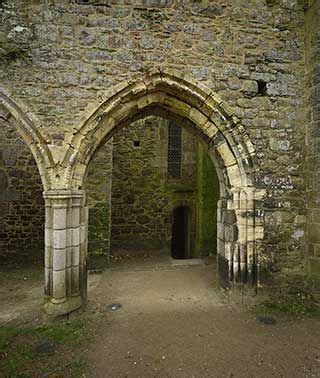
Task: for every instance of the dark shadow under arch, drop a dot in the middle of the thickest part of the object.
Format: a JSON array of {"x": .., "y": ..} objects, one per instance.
[{"x": 181, "y": 233}]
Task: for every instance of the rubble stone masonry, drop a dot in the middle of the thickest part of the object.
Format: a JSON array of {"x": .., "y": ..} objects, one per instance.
[{"x": 241, "y": 75}]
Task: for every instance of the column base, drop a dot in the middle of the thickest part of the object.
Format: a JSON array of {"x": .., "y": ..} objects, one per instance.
[{"x": 51, "y": 311}]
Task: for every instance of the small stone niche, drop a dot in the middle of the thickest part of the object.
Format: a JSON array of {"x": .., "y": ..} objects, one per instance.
[
  {"x": 136, "y": 143},
  {"x": 262, "y": 88}
]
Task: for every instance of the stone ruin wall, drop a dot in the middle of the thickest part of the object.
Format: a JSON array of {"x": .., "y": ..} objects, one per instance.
[
  {"x": 142, "y": 195},
  {"x": 129, "y": 195},
  {"x": 21, "y": 201},
  {"x": 131, "y": 198},
  {"x": 56, "y": 58},
  {"x": 313, "y": 140},
  {"x": 98, "y": 185}
]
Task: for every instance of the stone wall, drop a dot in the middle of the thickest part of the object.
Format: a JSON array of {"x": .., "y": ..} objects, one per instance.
[
  {"x": 143, "y": 197},
  {"x": 98, "y": 185},
  {"x": 208, "y": 195},
  {"x": 60, "y": 60},
  {"x": 21, "y": 202},
  {"x": 313, "y": 139}
]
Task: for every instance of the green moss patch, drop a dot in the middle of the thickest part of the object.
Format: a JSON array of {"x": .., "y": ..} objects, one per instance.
[
  {"x": 299, "y": 306},
  {"x": 35, "y": 351}
]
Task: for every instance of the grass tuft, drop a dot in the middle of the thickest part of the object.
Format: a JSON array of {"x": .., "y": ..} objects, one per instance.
[
  {"x": 19, "y": 357},
  {"x": 299, "y": 306}
]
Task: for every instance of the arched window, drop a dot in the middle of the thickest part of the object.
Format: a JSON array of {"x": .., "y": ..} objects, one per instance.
[{"x": 174, "y": 151}]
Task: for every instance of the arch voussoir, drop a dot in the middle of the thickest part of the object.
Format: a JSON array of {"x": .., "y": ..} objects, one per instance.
[{"x": 187, "y": 99}]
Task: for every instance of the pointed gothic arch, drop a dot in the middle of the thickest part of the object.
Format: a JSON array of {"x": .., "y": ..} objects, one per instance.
[
  {"x": 175, "y": 96},
  {"x": 168, "y": 93}
]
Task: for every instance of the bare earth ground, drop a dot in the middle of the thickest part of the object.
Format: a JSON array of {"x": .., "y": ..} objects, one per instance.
[{"x": 173, "y": 323}]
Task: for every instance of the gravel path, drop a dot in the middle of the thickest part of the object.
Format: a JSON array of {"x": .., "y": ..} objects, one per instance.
[{"x": 172, "y": 323}]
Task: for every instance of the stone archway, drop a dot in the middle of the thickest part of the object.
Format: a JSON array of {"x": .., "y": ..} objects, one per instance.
[
  {"x": 176, "y": 96},
  {"x": 26, "y": 128}
]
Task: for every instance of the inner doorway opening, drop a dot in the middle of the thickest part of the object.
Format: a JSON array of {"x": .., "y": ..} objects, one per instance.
[
  {"x": 180, "y": 242},
  {"x": 152, "y": 194}
]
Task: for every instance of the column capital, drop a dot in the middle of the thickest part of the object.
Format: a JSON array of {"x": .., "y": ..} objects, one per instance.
[
  {"x": 64, "y": 198},
  {"x": 63, "y": 193}
]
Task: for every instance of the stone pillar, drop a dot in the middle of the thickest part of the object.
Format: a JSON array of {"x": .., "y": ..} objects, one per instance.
[
  {"x": 240, "y": 231},
  {"x": 65, "y": 252}
]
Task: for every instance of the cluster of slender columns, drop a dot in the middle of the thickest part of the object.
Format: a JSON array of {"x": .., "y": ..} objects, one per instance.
[
  {"x": 240, "y": 231},
  {"x": 65, "y": 251}
]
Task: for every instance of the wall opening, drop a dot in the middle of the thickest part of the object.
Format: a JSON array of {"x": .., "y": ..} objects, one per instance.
[
  {"x": 262, "y": 88},
  {"x": 180, "y": 242},
  {"x": 209, "y": 121},
  {"x": 131, "y": 196}
]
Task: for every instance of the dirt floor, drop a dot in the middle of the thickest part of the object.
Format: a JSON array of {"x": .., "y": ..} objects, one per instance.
[{"x": 173, "y": 322}]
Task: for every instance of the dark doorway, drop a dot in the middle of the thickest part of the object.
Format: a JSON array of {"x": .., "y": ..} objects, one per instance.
[{"x": 180, "y": 242}]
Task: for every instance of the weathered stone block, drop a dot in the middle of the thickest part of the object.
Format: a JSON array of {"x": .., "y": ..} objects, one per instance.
[
  {"x": 87, "y": 37},
  {"x": 3, "y": 180},
  {"x": 59, "y": 259},
  {"x": 59, "y": 239},
  {"x": 279, "y": 145},
  {"x": 230, "y": 233},
  {"x": 314, "y": 233},
  {"x": 249, "y": 87},
  {"x": 9, "y": 156},
  {"x": 59, "y": 285},
  {"x": 229, "y": 217},
  {"x": 60, "y": 218},
  {"x": 314, "y": 266}
]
